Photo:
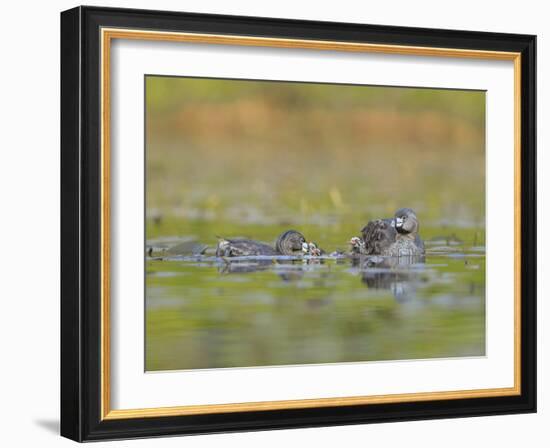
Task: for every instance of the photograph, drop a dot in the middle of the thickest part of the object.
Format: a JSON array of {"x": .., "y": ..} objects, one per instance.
[
  {"x": 299, "y": 223},
  {"x": 282, "y": 223}
]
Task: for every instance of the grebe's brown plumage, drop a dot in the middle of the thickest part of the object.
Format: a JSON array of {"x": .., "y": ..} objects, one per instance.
[
  {"x": 290, "y": 242},
  {"x": 395, "y": 237}
]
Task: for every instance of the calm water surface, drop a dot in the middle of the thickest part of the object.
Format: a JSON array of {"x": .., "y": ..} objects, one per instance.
[
  {"x": 203, "y": 312},
  {"x": 252, "y": 159}
]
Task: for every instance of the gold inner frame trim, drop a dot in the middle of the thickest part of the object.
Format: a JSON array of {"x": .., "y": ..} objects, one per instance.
[{"x": 107, "y": 35}]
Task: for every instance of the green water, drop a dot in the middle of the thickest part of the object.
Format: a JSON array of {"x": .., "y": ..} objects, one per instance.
[
  {"x": 246, "y": 158},
  {"x": 203, "y": 312}
]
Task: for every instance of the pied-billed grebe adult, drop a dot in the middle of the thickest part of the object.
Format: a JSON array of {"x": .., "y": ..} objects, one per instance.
[
  {"x": 290, "y": 243},
  {"x": 397, "y": 237},
  {"x": 408, "y": 241}
]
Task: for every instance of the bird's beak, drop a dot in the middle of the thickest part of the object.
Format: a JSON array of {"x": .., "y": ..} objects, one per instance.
[{"x": 398, "y": 223}]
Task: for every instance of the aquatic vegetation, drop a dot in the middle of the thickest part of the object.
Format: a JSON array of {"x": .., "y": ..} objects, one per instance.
[
  {"x": 253, "y": 159},
  {"x": 206, "y": 312}
]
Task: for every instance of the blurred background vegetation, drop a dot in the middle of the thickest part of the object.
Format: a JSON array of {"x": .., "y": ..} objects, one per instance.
[
  {"x": 230, "y": 152},
  {"x": 254, "y": 158}
]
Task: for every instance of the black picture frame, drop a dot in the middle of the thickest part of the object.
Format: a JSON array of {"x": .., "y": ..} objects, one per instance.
[{"x": 81, "y": 224}]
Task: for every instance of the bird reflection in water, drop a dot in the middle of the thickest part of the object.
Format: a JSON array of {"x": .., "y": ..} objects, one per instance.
[
  {"x": 288, "y": 269},
  {"x": 400, "y": 275}
]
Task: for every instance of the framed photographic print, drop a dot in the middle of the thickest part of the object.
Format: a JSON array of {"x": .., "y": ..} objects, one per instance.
[{"x": 272, "y": 223}]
